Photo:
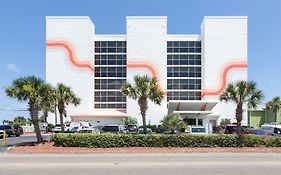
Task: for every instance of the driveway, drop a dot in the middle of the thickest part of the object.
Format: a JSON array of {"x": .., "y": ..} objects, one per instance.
[{"x": 11, "y": 141}]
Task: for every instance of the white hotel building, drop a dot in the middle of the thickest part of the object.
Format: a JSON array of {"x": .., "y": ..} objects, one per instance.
[{"x": 193, "y": 70}]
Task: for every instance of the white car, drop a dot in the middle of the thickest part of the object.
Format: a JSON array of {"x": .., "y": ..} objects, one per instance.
[
  {"x": 77, "y": 126},
  {"x": 195, "y": 129},
  {"x": 57, "y": 128},
  {"x": 272, "y": 129},
  {"x": 1, "y": 134}
]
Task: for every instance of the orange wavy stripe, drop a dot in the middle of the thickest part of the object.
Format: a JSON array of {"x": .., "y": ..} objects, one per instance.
[
  {"x": 73, "y": 60},
  {"x": 71, "y": 54},
  {"x": 152, "y": 69},
  {"x": 223, "y": 85}
]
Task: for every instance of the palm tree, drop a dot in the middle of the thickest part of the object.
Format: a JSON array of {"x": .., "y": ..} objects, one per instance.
[
  {"x": 173, "y": 122},
  {"x": 31, "y": 89},
  {"x": 64, "y": 97},
  {"x": 144, "y": 89},
  {"x": 241, "y": 93},
  {"x": 48, "y": 102},
  {"x": 274, "y": 105}
]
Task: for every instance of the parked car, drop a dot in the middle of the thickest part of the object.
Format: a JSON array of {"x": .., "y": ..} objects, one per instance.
[
  {"x": 1, "y": 134},
  {"x": 259, "y": 132},
  {"x": 233, "y": 129},
  {"x": 77, "y": 126},
  {"x": 19, "y": 129},
  {"x": 115, "y": 128},
  {"x": 148, "y": 131},
  {"x": 133, "y": 129},
  {"x": 10, "y": 130},
  {"x": 89, "y": 130},
  {"x": 194, "y": 129},
  {"x": 272, "y": 129},
  {"x": 57, "y": 128},
  {"x": 159, "y": 129}
]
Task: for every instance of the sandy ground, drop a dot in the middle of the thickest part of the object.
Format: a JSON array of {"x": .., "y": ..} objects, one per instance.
[{"x": 48, "y": 148}]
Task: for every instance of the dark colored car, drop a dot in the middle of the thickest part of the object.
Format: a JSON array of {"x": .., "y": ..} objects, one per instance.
[
  {"x": 114, "y": 129},
  {"x": 148, "y": 131},
  {"x": 259, "y": 132},
  {"x": 133, "y": 129},
  {"x": 233, "y": 129},
  {"x": 10, "y": 130},
  {"x": 159, "y": 129},
  {"x": 18, "y": 129}
]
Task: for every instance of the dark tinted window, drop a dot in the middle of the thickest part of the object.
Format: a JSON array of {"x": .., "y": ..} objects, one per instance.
[
  {"x": 110, "y": 129},
  {"x": 198, "y": 130},
  {"x": 5, "y": 127},
  {"x": 258, "y": 132}
]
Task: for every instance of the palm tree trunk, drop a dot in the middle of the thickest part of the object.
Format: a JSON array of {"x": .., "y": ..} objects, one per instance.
[
  {"x": 45, "y": 114},
  {"x": 239, "y": 115},
  {"x": 61, "y": 121},
  {"x": 33, "y": 109},
  {"x": 56, "y": 116},
  {"x": 143, "y": 108}
]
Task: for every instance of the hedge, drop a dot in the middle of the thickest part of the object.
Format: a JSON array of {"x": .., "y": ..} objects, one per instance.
[{"x": 162, "y": 140}]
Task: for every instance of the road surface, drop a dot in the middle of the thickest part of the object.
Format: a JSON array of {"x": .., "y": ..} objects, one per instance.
[
  {"x": 141, "y": 164},
  {"x": 11, "y": 141}
]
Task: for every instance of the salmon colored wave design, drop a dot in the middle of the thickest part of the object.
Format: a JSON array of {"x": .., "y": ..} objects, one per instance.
[
  {"x": 73, "y": 60},
  {"x": 71, "y": 54},
  {"x": 223, "y": 84},
  {"x": 147, "y": 66},
  {"x": 152, "y": 69}
]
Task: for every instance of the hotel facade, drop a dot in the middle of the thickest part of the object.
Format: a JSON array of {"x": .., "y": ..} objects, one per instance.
[{"x": 192, "y": 70}]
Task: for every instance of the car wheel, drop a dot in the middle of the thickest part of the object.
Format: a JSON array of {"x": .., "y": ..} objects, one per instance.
[{"x": 17, "y": 135}]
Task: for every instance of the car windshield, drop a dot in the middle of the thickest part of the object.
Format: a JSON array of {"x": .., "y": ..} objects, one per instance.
[
  {"x": 258, "y": 132},
  {"x": 198, "y": 130},
  {"x": 110, "y": 129}
]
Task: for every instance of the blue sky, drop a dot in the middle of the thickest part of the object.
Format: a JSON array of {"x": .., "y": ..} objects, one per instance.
[{"x": 22, "y": 33}]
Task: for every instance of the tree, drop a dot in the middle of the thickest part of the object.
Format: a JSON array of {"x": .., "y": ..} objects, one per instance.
[
  {"x": 48, "y": 102},
  {"x": 241, "y": 93},
  {"x": 19, "y": 120},
  {"x": 30, "y": 89},
  {"x": 130, "y": 120},
  {"x": 173, "y": 122},
  {"x": 144, "y": 89},
  {"x": 274, "y": 105},
  {"x": 225, "y": 122},
  {"x": 64, "y": 97}
]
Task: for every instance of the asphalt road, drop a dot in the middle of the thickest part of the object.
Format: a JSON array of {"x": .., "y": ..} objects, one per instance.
[
  {"x": 11, "y": 141},
  {"x": 140, "y": 164}
]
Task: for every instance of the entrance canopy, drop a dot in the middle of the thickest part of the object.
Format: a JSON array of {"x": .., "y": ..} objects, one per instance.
[
  {"x": 100, "y": 113},
  {"x": 191, "y": 107}
]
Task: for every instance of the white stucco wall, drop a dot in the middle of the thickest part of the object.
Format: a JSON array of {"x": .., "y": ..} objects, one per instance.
[
  {"x": 78, "y": 32},
  {"x": 224, "y": 41},
  {"x": 146, "y": 43}
]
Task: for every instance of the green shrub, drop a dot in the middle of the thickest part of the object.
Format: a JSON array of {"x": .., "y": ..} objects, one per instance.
[{"x": 162, "y": 140}]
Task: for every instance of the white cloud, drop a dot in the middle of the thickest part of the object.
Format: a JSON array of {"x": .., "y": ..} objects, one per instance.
[{"x": 12, "y": 68}]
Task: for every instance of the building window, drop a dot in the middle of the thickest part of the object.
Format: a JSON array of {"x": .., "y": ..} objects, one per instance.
[
  {"x": 110, "y": 74},
  {"x": 184, "y": 46},
  {"x": 184, "y": 70}
]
